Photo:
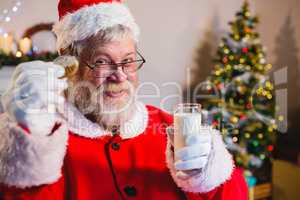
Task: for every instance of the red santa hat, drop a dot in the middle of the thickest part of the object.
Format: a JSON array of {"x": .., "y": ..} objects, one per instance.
[{"x": 80, "y": 19}]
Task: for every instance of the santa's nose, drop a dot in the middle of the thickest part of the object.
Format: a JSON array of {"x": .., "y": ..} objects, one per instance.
[{"x": 117, "y": 76}]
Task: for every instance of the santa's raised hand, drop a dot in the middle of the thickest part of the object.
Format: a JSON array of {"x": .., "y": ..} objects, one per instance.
[
  {"x": 34, "y": 93},
  {"x": 35, "y": 134}
]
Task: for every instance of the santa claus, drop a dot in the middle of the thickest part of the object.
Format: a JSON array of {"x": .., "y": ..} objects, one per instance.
[{"x": 87, "y": 137}]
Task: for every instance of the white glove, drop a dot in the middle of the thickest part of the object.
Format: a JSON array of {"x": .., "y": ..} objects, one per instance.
[
  {"x": 34, "y": 95},
  {"x": 194, "y": 156}
]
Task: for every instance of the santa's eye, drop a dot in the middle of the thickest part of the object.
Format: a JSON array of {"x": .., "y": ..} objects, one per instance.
[
  {"x": 102, "y": 62},
  {"x": 127, "y": 60}
]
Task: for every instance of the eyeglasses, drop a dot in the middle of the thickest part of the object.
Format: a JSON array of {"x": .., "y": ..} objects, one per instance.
[{"x": 104, "y": 68}]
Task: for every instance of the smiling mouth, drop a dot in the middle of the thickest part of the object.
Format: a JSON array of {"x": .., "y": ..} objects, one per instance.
[{"x": 115, "y": 94}]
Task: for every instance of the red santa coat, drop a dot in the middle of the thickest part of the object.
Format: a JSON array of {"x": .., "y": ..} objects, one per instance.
[{"x": 136, "y": 164}]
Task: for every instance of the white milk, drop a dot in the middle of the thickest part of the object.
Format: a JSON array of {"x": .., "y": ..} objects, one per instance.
[{"x": 184, "y": 125}]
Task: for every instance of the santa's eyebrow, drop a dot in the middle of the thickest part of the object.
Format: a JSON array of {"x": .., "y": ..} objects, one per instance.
[
  {"x": 129, "y": 54},
  {"x": 102, "y": 52},
  {"x": 99, "y": 53}
]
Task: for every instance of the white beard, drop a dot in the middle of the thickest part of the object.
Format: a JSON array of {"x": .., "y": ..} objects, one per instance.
[
  {"x": 111, "y": 117},
  {"x": 103, "y": 110}
]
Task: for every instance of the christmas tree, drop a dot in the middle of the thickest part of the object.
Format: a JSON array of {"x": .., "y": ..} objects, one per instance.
[{"x": 241, "y": 99}]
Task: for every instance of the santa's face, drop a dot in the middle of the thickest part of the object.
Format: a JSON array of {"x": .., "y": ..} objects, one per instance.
[{"x": 108, "y": 89}]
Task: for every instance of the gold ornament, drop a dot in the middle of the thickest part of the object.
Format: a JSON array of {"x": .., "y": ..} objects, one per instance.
[
  {"x": 228, "y": 67},
  {"x": 236, "y": 37},
  {"x": 260, "y": 136},
  {"x": 234, "y": 119},
  {"x": 218, "y": 73},
  {"x": 268, "y": 66},
  {"x": 269, "y": 96},
  {"x": 235, "y": 131}
]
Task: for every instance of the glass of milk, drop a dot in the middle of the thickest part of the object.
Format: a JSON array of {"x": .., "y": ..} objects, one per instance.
[{"x": 187, "y": 120}]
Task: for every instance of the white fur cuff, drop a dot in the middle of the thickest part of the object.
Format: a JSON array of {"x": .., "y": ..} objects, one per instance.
[
  {"x": 217, "y": 170},
  {"x": 30, "y": 159}
]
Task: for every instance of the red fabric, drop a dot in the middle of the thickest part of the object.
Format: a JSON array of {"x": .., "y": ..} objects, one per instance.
[
  {"x": 138, "y": 165},
  {"x": 55, "y": 191},
  {"x": 70, "y": 6},
  {"x": 235, "y": 189},
  {"x": 55, "y": 128},
  {"x": 25, "y": 128}
]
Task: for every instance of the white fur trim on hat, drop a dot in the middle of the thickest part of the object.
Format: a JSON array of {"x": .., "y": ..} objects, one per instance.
[
  {"x": 89, "y": 20},
  {"x": 217, "y": 171},
  {"x": 28, "y": 160}
]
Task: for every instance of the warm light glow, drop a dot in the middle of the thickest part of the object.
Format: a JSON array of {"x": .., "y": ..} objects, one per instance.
[
  {"x": 25, "y": 45},
  {"x": 269, "y": 96},
  {"x": 19, "y": 54},
  {"x": 6, "y": 43},
  {"x": 234, "y": 119},
  {"x": 217, "y": 73},
  {"x": 234, "y": 139},
  {"x": 262, "y": 156},
  {"x": 7, "y": 19},
  {"x": 14, "y": 9}
]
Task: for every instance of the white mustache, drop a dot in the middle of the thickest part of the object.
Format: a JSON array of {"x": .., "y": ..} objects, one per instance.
[
  {"x": 90, "y": 98},
  {"x": 116, "y": 87}
]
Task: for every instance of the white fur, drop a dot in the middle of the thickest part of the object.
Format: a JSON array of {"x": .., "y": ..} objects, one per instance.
[
  {"x": 28, "y": 160},
  {"x": 217, "y": 170},
  {"x": 80, "y": 125},
  {"x": 89, "y": 20}
]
